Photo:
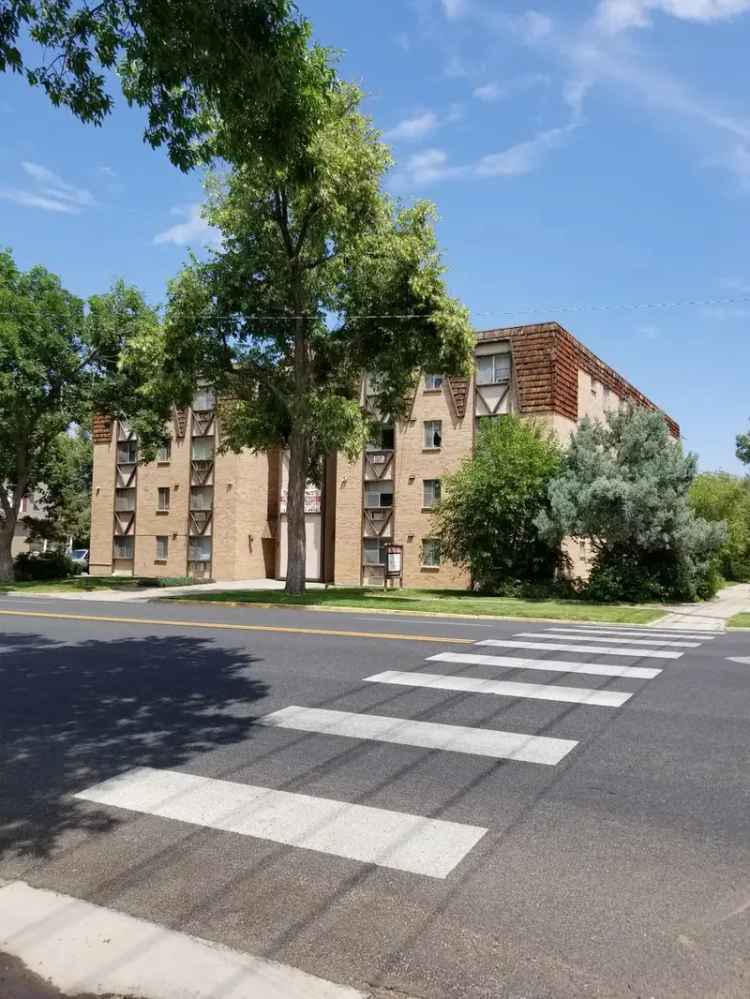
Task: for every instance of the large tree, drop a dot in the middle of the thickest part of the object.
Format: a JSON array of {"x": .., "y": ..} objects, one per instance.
[
  {"x": 486, "y": 519},
  {"x": 64, "y": 495},
  {"x": 743, "y": 448},
  {"x": 217, "y": 77},
  {"x": 57, "y": 362},
  {"x": 319, "y": 278},
  {"x": 624, "y": 488},
  {"x": 719, "y": 496}
]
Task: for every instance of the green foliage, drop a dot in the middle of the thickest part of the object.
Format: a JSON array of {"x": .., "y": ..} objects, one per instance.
[
  {"x": 44, "y": 567},
  {"x": 306, "y": 292},
  {"x": 486, "y": 520},
  {"x": 217, "y": 77},
  {"x": 58, "y": 364},
  {"x": 743, "y": 448},
  {"x": 65, "y": 492},
  {"x": 624, "y": 486},
  {"x": 719, "y": 496}
]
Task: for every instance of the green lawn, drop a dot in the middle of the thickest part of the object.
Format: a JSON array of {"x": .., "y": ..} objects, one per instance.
[
  {"x": 88, "y": 583},
  {"x": 440, "y": 602},
  {"x": 739, "y": 620}
]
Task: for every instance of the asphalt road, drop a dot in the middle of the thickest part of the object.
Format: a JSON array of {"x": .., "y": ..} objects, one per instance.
[{"x": 622, "y": 870}]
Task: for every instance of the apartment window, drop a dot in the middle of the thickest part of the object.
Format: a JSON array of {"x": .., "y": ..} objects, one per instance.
[
  {"x": 163, "y": 500},
  {"x": 124, "y": 546},
  {"x": 383, "y": 439},
  {"x": 127, "y": 452},
  {"x": 162, "y": 547},
  {"x": 433, "y": 434},
  {"x": 202, "y": 449},
  {"x": 493, "y": 369},
  {"x": 430, "y": 553},
  {"x": 164, "y": 453},
  {"x": 594, "y": 385},
  {"x": 199, "y": 549},
  {"x": 433, "y": 382},
  {"x": 204, "y": 399},
  {"x": 201, "y": 498},
  {"x": 373, "y": 551},
  {"x": 430, "y": 493},
  {"x": 378, "y": 494},
  {"x": 124, "y": 500}
]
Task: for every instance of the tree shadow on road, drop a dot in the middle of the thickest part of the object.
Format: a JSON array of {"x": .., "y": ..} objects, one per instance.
[{"x": 75, "y": 714}]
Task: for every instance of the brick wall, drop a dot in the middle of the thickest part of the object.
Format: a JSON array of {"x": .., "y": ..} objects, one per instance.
[
  {"x": 414, "y": 463},
  {"x": 102, "y": 499},
  {"x": 150, "y": 522}
]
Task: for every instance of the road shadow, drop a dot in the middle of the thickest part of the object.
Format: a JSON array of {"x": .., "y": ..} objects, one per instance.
[{"x": 72, "y": 715}]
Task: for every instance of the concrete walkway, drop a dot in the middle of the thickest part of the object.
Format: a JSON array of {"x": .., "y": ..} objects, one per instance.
[
  {"x": 711, "y": 615},
  {"x": 155, "y": 592}
]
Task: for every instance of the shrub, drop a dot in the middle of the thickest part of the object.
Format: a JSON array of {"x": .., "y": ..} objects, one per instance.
[
  {"x": 486, "y": 518},
  {"x": 624, "y": 487},
  {"x": 44, "y": 567}
]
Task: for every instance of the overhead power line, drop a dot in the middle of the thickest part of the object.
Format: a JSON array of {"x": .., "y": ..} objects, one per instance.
[{"x": 678, "y": 303}]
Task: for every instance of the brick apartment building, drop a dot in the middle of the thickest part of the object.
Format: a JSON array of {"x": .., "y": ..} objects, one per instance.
[{"x": 197, "y": 512}]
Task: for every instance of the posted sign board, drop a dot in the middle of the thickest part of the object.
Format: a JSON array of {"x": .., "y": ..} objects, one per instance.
[{"x": 394, "y": 561}]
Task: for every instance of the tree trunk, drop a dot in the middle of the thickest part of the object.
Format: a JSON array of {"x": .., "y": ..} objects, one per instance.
[
  {"x": 295, "y": 516},
  {"x": 6, "y": 559}
]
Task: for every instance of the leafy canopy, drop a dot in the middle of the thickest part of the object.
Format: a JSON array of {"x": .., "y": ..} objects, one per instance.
[
  {"x": 719, "y": 496},
  {"x": 743, "y": 448},
  {"x": 486, "y": 520},
  {"x": 217, "y": 77},
  {"x": 319, "y": 277},
  {"x": 624, "y": 487},
  {"x": 303, "y": 295},
  {"x": 57, "y": 363}
]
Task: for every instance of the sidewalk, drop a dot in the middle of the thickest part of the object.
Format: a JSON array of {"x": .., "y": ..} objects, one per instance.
[
  {"x": 156, "y": 592},
  {"x": 711, "y": 615}
]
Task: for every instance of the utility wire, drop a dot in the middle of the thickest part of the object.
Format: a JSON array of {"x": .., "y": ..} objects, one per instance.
[{"x": 678, "y": 303}]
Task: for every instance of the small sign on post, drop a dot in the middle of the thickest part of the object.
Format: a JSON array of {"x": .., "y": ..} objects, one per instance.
[{"x": 394, "y": 565}]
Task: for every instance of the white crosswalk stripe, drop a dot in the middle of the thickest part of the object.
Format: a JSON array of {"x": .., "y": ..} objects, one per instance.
[
  {"x": 562, "y": 633},
  {"x": 378, "y": 836},
  {"x": 398, "y": 840},
  {"x": 552, "y": 665},
  {"x": 504, "y": 688},
  {"x": 604, "y": 650},
  {"x": 425, "y": 735},
  {"x": 586, "y": 629}
]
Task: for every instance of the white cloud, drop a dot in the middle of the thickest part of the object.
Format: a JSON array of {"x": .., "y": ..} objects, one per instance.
[
  {"x": 403, "y": 41},
  {"x": 411, "y": 129},
  {"x": 30, "y": 200},
  {"x": 108, "y": 171},
  {"x": 494, "y": 91},
  {"x": 195, "y": 229},
  {"x": 427, "y": 167},
  {"x": 524, "y": 156},
  {"x": 455, "y": 8},
  {"x": 613, "y": 16},
  {"x": 54, "y": 187},
  {"x": 487, "y": 92},
  {"x": 432, "y": 165},
  {"x": 535, "y": 26},
  {"x": 49, "y": 192}
]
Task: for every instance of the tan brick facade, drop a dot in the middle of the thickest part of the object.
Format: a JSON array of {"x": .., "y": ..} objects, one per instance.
[{"x": 233, "y": 500}]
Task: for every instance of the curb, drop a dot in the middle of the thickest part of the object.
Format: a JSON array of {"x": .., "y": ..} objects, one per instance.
[{"x": 386, "y": 613}]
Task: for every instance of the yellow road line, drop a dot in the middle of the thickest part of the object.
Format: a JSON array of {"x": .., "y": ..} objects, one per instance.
[{"x": 238, "y": 627}]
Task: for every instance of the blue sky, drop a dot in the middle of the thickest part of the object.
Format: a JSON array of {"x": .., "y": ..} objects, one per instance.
[{"x": 588, "y": 160}]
